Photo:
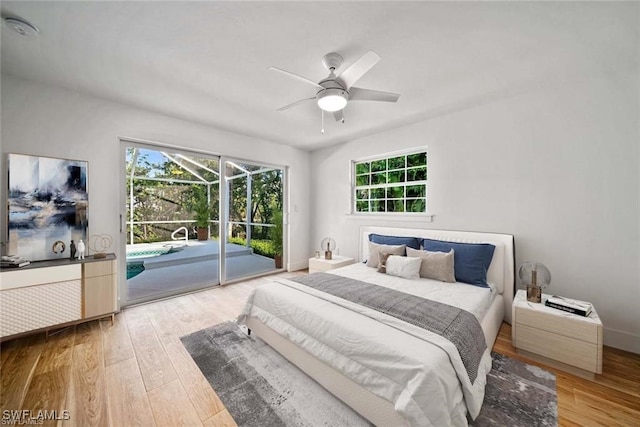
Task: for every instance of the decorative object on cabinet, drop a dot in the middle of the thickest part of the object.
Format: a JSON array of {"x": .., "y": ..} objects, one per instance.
[
  {"x": 328, "y": 245},
  {"x": 72, "y": 250},
  {"x": 47, "y": 203},
  {"x": 58, "y": 247},
  {"x": 536, "y": 277},
  {"x": 100, "y": 244},
  {"x": 81, "y": 249}
]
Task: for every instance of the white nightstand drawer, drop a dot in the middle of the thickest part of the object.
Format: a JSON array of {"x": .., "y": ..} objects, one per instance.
[
  {"x": 563, "y": 349},
  {"x": 568, "y": 325},
  {"x": 320, "y": 264}
]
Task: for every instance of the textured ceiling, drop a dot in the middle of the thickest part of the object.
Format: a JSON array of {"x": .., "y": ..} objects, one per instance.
[{"x": 207, "y": 61}]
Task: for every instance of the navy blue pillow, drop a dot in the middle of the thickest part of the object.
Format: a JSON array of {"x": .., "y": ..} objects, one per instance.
[
  {"x": 411, "y": 242},
  {"x": 470, "y": 260}
]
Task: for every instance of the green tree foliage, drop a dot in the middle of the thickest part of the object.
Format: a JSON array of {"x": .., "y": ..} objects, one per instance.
[
  {"x": 266, "y": 195},
  {"x": 173, "y": 191}
]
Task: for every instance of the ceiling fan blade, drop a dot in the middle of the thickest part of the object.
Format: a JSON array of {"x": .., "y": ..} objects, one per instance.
[
  {"x": 338, "y": 116},
  {"x": 359, "y": 94},
  {"x": 297, "y": 77},
  {"x": 359, "y": 68},
  {"x": 294, "y": 104}
]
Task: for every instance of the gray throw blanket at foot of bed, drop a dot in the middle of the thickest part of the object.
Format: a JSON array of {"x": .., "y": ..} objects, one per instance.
[{"x": 458, "y": 326}]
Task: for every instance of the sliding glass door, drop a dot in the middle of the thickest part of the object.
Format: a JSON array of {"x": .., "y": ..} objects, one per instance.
[
  {"x": 193, "y": 221},
  {"x": 172, "y": 222},
  {"x": 253, "y": 220}
]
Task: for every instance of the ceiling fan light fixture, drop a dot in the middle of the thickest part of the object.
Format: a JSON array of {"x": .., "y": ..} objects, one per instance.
[{"x": 331, "y": 100}]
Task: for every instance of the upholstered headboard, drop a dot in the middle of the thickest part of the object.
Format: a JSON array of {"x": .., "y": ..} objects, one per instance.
[{"x": 501, "y": 272}]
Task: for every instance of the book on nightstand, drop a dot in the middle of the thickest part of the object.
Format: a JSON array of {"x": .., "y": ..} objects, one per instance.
[{"x": 581, "y": 308}]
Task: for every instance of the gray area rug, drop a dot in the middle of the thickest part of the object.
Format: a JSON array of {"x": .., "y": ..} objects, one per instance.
[{"x": 261, "y": 388}]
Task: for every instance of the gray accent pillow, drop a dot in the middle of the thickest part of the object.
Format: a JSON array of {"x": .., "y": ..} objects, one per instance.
[
  {"x": 435, "y": 265},
  {"x": 375, "y": 249}
]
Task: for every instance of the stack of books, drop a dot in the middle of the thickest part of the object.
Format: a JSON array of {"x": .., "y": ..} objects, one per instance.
[
  {"x": 581, "y": 308},
  {"x": 10, "y": 261}
]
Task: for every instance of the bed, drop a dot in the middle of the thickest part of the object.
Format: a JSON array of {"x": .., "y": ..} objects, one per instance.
[{"x": 390, "y": 372}]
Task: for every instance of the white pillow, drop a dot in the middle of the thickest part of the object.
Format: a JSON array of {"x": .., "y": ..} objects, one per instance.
[{"x": 401, "y": 266}]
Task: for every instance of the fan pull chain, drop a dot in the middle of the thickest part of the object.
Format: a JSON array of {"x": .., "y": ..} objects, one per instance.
[{"x": 322, "y": 128}]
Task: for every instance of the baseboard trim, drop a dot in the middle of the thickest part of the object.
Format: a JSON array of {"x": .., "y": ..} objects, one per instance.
[
  {"x": 622, "y": 340},
  {"x": 300, "y": 265}
]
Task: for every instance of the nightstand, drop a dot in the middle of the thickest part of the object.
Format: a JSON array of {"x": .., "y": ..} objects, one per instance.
[
  {"x": 320, "y": 264},
  {"x": 563, "y": 340}
]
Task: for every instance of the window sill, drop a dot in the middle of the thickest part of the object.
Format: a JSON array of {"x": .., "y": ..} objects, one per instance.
[{"x": 417, "y": 217}]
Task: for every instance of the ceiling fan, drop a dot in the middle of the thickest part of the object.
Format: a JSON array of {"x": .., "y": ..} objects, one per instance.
[{"x": 335, "y": 91}]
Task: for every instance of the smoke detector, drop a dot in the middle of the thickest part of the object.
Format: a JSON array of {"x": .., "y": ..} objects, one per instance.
[{"x": 21, "y": 27}]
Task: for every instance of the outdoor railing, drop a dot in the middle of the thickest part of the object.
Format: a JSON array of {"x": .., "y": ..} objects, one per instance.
[{"x": 213, "y": 222}]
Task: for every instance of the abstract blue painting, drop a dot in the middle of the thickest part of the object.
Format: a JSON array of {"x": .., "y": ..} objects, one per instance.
[{"x": 48, "y": 205}]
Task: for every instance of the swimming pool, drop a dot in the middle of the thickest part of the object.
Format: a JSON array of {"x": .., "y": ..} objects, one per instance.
[
  {"x": 147, "y": 252},
  {"x": 137, "y": 255},
  {"x": 134, "y": 268}
]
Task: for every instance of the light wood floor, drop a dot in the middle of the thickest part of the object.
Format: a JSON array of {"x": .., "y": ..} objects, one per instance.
[{"x": 137, "y": 372}]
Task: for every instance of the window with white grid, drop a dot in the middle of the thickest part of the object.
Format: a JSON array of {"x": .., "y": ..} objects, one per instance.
[{"x": 391, "y": 184}]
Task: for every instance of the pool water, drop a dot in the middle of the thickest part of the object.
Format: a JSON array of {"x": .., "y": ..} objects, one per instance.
[
  {"x": 148, "y": 253},
  {"x": 134, "y": 268}
]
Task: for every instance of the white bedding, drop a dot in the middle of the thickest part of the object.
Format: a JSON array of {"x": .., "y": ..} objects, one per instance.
[
  {"x": 474, "y": 299},
  {"x": 400, "y": 366}
]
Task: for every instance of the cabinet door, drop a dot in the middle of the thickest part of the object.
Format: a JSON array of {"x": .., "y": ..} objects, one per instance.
[
  {"x": 34, "y": 307},
  {"x": 99, "y": 296}
]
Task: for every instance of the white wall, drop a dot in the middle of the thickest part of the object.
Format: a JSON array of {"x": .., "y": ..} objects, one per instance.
[
  {"x": 49, "y": 121},
  {"x": 557, "y": 168}
]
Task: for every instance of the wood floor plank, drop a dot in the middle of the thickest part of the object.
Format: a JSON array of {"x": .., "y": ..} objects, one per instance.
[
  {"x": 163, "y": 322},
  {"x": 87, "y": 394},
  {"x": 221, "y": 419},
  {"x": 185, "y": 315},
  {"x": 600, "y": 391},
  {"x": 563, "y": 422},
  {"x": 48, "y": 387},
  {"x": 617, "y": 412},
  {"x": 205, "y": 401},
  {"x": 6, "y": 347},
  {"x": 223, "y": 304},
  {"x": 155, "y": 367},
  {"x": 171, "y": 407},
  {"x": 207, "y": 317},
  {"x": 47, "y": 392},
  {"x": 127, "y": 400},
  {"x": 57, "y": 351},
  {"x": 19, "y": 362},
  {"x": 116, "y": 342}
]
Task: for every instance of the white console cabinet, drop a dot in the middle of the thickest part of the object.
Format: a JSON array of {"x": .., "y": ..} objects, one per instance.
[{"x": 49, "y": 294}]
